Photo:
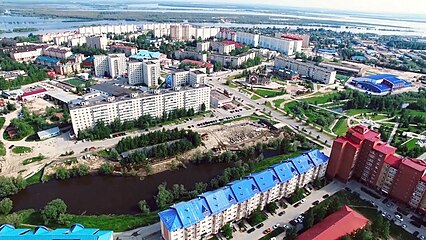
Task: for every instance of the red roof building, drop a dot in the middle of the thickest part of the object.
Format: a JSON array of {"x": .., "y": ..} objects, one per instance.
[
  {"x": 343, "y": 222},
  {"x": 292, "y": 37},
  {"x": 199, "y": 63},
  {"x": 33, "y": 93}
]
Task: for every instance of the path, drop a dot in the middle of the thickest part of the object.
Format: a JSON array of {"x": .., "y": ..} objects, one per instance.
[{"x": 395, "y": 127}]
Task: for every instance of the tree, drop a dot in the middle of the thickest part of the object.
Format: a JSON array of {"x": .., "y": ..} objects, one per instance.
[
  {"x": 347, "y": 237},
  {"x": 164, "y": 197},
  {"x": 203, "y": 107},
  {"x": 227, "y": 231},
  {"x": 62, "y": 173},
  {"x": 362, "y": 234},
  {"x": 272, "y": 207},
  {"x": 291, "y": 234},
  {"x": 143, "y": 206},
  {"x": 380, "y": 228},
  {"x": 14, "y": 219},
  {"x": 5, "y": 206},
  {"x": 53, "y": 211},
  {"x": 309, "y": 219},
  {"x": 106, "y": 169}
]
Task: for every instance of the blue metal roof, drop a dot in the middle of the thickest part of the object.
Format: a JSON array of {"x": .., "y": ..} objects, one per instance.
[
  {"x": 201, "y": 208},
  {"x": 47, "y": 59},
  {"x": 171, "y": 219},
  {"x": 265, "y": 180},
  {"x": 244, "y": 189},
  {"x": 146, "y": 55},
  {"x": 77, "y": 231},
  {"x": 187, "y": 214},
  {"x": 303, "y": 163},
  {"x": 317, "y": 157},
  {"x": 219, "y": 200},
  {"x": 285, "y": 170}
]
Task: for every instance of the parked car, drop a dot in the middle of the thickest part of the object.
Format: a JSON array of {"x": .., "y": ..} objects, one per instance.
[
  {"x": 281, "y": 213},
  {"x": 260, "y": 225},
  {"x": 315, "y": 203},
  {"x": 302, "y": 201},
  {"x": 325, "y": 196},
  {"x": 415, "y": 234},
  {"x": 11, "y": 146},
  {"x": 276, "y": 226},
  {"x": 251, "y": 230},
  {"x": 266, "y": 231}
]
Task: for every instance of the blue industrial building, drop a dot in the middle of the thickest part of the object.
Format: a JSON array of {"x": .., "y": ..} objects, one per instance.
[
  {"x": 76, "y": 232},
  {"x": 381, "y": 83},
  {"x": 186, "y": 214},
  {"x": 146, "y": 55}
]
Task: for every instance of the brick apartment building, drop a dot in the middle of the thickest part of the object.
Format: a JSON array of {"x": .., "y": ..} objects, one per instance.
[{"x": 361, "y": 155}]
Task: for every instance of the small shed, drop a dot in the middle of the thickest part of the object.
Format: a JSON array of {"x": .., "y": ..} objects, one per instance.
[{"x": 48, "y": 133}]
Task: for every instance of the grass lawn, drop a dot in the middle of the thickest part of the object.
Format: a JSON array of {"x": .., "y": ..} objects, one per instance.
[
  {"x": 320, "y": 99},
  {"x": 2, "y": 149},
  {"x": 36, "y": 178},
  {"x": 76, "y": 82},
  {"x": 352, "y": 112},
  {"x": 342, "y": 77},
  {"x": 260, "y": 217},
  {"x": 255, "y": 97},
  {"x": 21, "y": 149},
  {"x": 272, "y": 234},
  {"x": 412, "y": 143},
  {"x": 117, "y": 223},
  {"x": 277, "y": 103},
  {"x": 341, "y": 127},
  {"x": 378, "y": 117},
  {"x": 268, "y": 93},
  {"x": 289, "y": 105},
  {"x": 33, "y": 159},
  {"x": 267, "y": 162},
  {"x": 2, "y": 120}
]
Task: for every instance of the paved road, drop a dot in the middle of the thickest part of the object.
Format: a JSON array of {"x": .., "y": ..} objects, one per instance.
[{"x": 150, "y": 232}]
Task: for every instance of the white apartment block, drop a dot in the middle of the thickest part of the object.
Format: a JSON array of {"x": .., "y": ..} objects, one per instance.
[
  {"x": 112, "y": 65},
  {"x": 108, "y": 102},
  {"x": 309, "y": 70},
  {"x": 193, "y": 78},
  {"x": 57, "y": 52},
  {"x": 232, "y": 61},
  {"x": 151, "y": 73},
  {"x": 185, "y": 32},
  {"x": 135, "y": 72},
  {"x": 281, "y": 45},
  {"x": 203, "y": 46},
  {"x": 104, "y": 29},
  {"x": 30, "y": 53},
  {"x": 248, "y": 38},
  {"x": 222, "y": 48},
  {"x": 99, "y": 42},
  {"x": 159, "y": 29},
  {"x": 209, "y": 212}
]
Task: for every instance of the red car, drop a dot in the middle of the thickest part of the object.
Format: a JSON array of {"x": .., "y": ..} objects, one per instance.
[{"x": 267, "y": 231}]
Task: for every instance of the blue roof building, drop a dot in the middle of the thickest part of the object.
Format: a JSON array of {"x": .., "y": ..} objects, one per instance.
[
  {"x": 244, "y": 189},
  {"x": 50, "y": 61},
  {"x": 317, "y": 157},
  {"x": 285, "y": 171},
  {"x": 381, "y": 83},
  {"x": 76, "y": 232},
  {"x": 219, "y": 200},
  {"x": 265, "y": 180},
  {"x": 303, "y": 164},
  {"x": 146, "y": 55},
  {"x": 171, "y": 219}
]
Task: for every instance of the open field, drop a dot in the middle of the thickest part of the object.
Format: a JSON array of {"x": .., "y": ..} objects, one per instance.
[
  {"x": 341, "y": 127},
  {"x": 268, "y": 93},
  {"x": 21, "y": 149}
]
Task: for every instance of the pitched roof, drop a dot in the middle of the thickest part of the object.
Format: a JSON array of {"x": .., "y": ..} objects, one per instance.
[
  {"x": 244, "y": 189},
  {"x": 303, "y": 163},
  {"x": 265, "y": 180},
  {"x": 317, "y": 157},
  {"x": 170, "y": 219},
  {"x": 285, "y": 171},
  {"x": 341, "y": 223},
  {"x": 393, "y": 160},
  {"x": 219, "y": 200}
]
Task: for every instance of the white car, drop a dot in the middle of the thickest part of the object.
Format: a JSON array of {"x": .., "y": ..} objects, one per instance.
[
  {"x": 276, "y": 226},
  {"x": 302, "y": 201},
  {"x": 273, "y": 238}
]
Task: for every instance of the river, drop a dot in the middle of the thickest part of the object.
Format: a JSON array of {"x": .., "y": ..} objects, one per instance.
[{"x": 111, "y": 194}]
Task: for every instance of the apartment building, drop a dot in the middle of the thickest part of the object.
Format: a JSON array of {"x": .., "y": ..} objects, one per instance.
[
  {"x": 203, "y": 46},
  {"x": 250, "y": 39},
  {"x": 49, "y": 37},
  {"x": 227, "y": 34},
  {"x": 209, "y": 212},
  {"x": 192, "y": 77},
  {"x": 224, "y": 47},
  {"x": 57, "y": 52},
  {"x": 112, "y": 65},
  {"x": 135, "y": 72},
  {"x": 185, "y": 32},
  {"x": 127, "y": 50},
  {"x": 151, "y": 73},
  {"x": 361, "y": 155},
  {"x": 158, "y": 29},
  {"x": 232, "y": 61},
  {"x": 26, "y": 53},
  {"x": 282, "y": 45},
  {"x": 99, "y": 42},
  {"x": 108, "y": 102},
  {"x": 307, "y": 69},
  {"x": 104, "y": 29}
]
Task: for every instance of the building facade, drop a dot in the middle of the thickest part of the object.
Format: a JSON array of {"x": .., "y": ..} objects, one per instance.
[
  {"x": 310, "y": 70},
  {"x": 209, "y": 212},
  {"x": 99, "y": 42},
  {"x": 112, "y": 65},
  {"x": 125, "y": 105},
  {"x": 104, "y": 29},
  {"x": 232, "y": 61}
]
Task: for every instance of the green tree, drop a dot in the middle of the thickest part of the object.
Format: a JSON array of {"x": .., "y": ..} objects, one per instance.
[
  {"x": 272, "y": 207},
  {"x": 14, "y": 219},
  {"x": 164, "y": 197},
  {"x": 347, "y": 237},
  {"x": 309, "y": 219},
  {"x": 5, "y": 206},
  {"x": 106, "y": 169},
  {"x": 203, "y": 107},
  {"x": 143, "y": 206},
  {"x": 227, "y": 231},
  {"x": 291, "y": 234},
  {"x": 380, "y": 228},
  {"x": 62, "y": 173},
  {"x": 362, "y": 234},
  {"x": 53, "y": 211}
]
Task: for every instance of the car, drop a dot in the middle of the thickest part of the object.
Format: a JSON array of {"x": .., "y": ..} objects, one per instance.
[
  {"x": 281, "y": 213},
  {"x": 11, "y": 146},
  {"x": 422, "y": 237},
  {"x": 404, "y": 225},
  {"x": 302, "y": 201},
  {"x": 386, "y": 200},
  {"x": 415, "y": 234},
  {"x": 273, "y": 238},
  {"x": 276, "y": 226},
  {"x": 389, "y": 217},
  {"x": 251, "y": 230},
  {"x": 260, "y": 225},
  {"x": 286, "y": 226},
  {"x": 315, "y": 203},
  {"x": 348, "y": 189},
  {"x": 266, "y": 231},
  {"x": 296, "y": 205},
  {"x": 293, "y": 222},
  {"x": 383, "y": 214},
  {"x": 325, "y": 196}
]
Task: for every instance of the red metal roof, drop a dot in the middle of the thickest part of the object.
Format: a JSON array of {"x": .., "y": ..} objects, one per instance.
[
  {"x": 229, "y": 42},
  {"x": 292, "y": 37},
  {"x": 415, "y": 164},
  {"x": 393, "y": 160},
  {"x": 40, "y": 90},
  {"x": 341, "y": 223},
  {"x": 199, "y": 63},
  {"x": 122, "y": 46},
  {"x": 384, "y": 148}
]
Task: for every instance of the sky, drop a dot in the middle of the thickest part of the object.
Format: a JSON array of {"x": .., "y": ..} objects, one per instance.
[{"x": 382, "y": 6}]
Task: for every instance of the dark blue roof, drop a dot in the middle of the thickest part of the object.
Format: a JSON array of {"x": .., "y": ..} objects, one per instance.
[
  {"x": 317, "y": 157},
  {"x": 244, "y": 189},
  {"x": 265, "y": 180},
  {"x": 171, "y": 219}
]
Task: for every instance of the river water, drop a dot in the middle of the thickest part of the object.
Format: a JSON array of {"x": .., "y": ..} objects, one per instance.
[{"x": 111, "y": 194}]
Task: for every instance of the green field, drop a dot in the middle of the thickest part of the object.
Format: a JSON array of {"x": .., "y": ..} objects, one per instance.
[
  {"x": 277, "y": 103},
  {"x": 36, "y": 178},
  {"x": 412, "y": 143},
  {"x": 33, "y": 159},
  {"x": 255, "y": 97},
  {"x": 341, "y": 127},
  {"x": 76, "y": 82},
  {"x": 21, "y": 149},
  {"x": 268, "y": 93},
  {"x": 342, "y": 77},
  {"x": 352, "y": 112},
  {"x": 320, "y": 99},
  {"x": 2, "y": 149}
]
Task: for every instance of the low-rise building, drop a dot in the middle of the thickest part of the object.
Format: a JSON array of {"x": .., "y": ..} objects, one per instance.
[
  {"x": 209, "y": 212},
  {"x": 182, "y": 54},
  {"x": 48, "y": 133},
  {"x": 218, "y": 99},
  {"x": 307, "y": 69},
  {"x": 258, "y": 79},
  {"x": 232, "y": 61}
]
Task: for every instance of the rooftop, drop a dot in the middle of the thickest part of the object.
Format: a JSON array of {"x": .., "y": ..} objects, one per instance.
[
  {"x": 47, "y": 59},
  {"x": 285, "y": 170},
  {"x": 47, "y": 132},
  {"x": 303, "y": 163},
  {"x": 292, "y": 37},
  {"x": 265, "y": 180},
  {"x": 244, "y": 189},
  {"x": 393, "y": 160},
  {"x": 416, "y": 164},
  {"x": 199, "y": 63},
  {"x": 341, "y": 223},
  {"x": 218, "y": 95},
  {"x": 112, "y": 89},
  {"x": 77, "y": 231},
  {"x": 146, "y": 55}
]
